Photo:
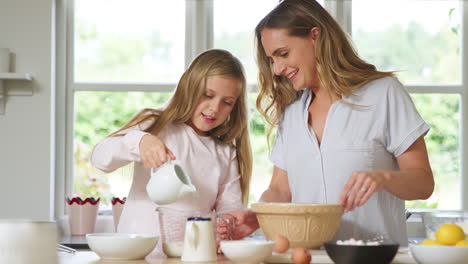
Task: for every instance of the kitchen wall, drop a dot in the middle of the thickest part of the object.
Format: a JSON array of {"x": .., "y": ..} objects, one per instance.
[{"x": 26, "y": 128}]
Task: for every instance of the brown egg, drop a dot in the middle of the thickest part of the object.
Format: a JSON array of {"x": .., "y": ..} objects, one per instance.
[
  {"x": 281, "y": 244},
  {"x": 301, "y": 256}
]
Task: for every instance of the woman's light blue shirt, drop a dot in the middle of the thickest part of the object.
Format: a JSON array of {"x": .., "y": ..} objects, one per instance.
[{"x": 379, "y": 124}]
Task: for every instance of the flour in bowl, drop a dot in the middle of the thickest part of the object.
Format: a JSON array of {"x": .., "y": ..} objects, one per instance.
[{"x": 354, "y": 242}]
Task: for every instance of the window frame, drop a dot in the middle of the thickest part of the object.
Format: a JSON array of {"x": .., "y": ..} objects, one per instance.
[
  {"x": 199, "y": 34},
  {"x": 341, "y": 10}
]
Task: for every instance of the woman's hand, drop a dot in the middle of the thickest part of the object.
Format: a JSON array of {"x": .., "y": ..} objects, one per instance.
[
  {"x": 153, "y": 151},
  {"x": 360, "y": 186}
]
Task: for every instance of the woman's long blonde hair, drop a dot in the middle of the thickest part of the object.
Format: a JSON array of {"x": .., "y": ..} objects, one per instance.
[
  {"x": 340, "y": 70},
  {"x": 188, "y": 93}
]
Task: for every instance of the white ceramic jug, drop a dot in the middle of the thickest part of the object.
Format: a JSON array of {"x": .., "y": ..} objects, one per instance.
[
  {"x": 169, "y": 183},
  {"x": 199, "y": 240}
]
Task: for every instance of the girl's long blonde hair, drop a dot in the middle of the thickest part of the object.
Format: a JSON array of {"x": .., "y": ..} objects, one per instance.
[
  {"x": 340, "y": 70},
  {"x": 188, "y": 93}
]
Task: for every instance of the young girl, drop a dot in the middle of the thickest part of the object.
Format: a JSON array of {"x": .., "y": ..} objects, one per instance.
[{"x": 204, "y": 125}]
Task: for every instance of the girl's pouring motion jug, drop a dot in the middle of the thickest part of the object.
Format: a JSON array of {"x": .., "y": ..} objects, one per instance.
[{"x": 169, "y": 183}]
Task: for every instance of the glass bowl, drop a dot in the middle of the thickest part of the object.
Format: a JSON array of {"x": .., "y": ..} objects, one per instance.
[{"x": 433, "y": 220}]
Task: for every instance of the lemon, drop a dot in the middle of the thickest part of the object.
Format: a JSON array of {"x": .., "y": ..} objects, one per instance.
[
  {"x": 449, "y": 234},
  {"x": 462, "y": 243},
  {"x": 430, "y": 242}
]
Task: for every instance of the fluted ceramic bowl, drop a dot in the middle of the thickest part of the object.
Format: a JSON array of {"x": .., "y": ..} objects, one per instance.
[{"x": 306, "y": 225}]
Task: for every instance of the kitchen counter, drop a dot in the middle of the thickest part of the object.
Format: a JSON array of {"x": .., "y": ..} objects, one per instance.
[
  {"x": 76, "y": 242},
  {"x": 89, "y": 257},
  {"x": 318, "y": 257}
]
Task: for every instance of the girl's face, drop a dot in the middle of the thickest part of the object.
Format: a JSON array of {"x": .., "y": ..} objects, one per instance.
[
  {"x": 216, "y": 104},
  {"x": 292, "y": 57}
]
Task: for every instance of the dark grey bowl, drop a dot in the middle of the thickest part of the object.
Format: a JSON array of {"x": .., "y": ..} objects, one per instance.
[{"x": 351, "y": 254}]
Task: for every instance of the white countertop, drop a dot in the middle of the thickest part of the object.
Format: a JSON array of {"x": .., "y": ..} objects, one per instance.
[{"x": 318, "y": 257}]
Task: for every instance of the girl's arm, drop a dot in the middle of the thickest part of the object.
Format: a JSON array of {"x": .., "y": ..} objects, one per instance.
[
  {"x": 278, "y": 191},
  {"x": 413, "y": 181},
  {"x": 114, "y": 152}
]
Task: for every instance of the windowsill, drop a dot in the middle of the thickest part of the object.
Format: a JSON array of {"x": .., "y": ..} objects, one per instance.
[
  {"x": 104, "y": 224},
  {"x": 414, "y": 226}
]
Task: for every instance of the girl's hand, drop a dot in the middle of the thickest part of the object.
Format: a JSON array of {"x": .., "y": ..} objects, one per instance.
[
  {"x": 246, "y": 223},
  {"x": 239, "y": 225},
  {"x": 225, "y": 224},
  {"x": 360, "y": 186},
  {"x": 153, "y": 151}
]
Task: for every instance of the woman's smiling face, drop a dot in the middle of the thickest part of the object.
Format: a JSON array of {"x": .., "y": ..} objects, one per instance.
[
  {"x": 216, "y": 104},
  {"x": 291, "y": 56}
]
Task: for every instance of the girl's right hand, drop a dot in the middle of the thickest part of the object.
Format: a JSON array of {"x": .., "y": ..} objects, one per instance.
[
  {"x": 153, "y": 151},
  {"x": 245, "y": 223}
]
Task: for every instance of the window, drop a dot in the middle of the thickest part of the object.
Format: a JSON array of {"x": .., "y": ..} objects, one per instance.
[
  {"x": 132, "y": 57},
  {"x": 123, "y": 61},
  {"x": 132, "y": 44},
  {"x": 238, "y": 38},
  {"x": 424, "y": 45}
]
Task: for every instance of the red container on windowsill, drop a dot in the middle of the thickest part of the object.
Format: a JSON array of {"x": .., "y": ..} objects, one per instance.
[
  {"x": 117, "y": 207},
  {"x": 82, "y": 215}
]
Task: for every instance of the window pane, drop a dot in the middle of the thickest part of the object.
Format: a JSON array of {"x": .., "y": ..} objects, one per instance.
[
  {"x": 97, "y": 114},
  {"x": 419, "y": 38},
  {"x": 442, "y": 113},
  {"x": 262, "y": 166},
  {"x": 234, "y": 26},
  {"x": 129, "y": 41}
]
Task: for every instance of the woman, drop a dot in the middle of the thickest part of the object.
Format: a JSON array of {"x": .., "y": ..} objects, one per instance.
[{"x": 347, "y": 133}]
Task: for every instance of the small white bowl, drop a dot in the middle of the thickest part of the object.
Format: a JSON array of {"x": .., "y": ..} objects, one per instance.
[
  {"x": 247, "y": 251},
  {"x": 433, "y": 254},
  {"x": 117, "y": 246},
  {"x": 173, "y": 249}
]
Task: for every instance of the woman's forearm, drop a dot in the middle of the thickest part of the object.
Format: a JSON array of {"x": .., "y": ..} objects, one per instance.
[
  {"x": 272, "y": 195},
  {"x": 409, "y": 184}
]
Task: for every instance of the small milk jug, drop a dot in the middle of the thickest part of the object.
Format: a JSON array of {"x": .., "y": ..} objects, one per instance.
[
  {"x": 168, "y": 183},
  {"x": 199, "y": 240}
]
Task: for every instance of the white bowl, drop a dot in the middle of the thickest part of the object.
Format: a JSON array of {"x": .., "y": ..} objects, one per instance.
[
  {"x": 173, "y": 249},
  {"x": 247, "y": 251},
  {"x": 118, "y": 246},
  {"x": 432, "y": 254}
]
